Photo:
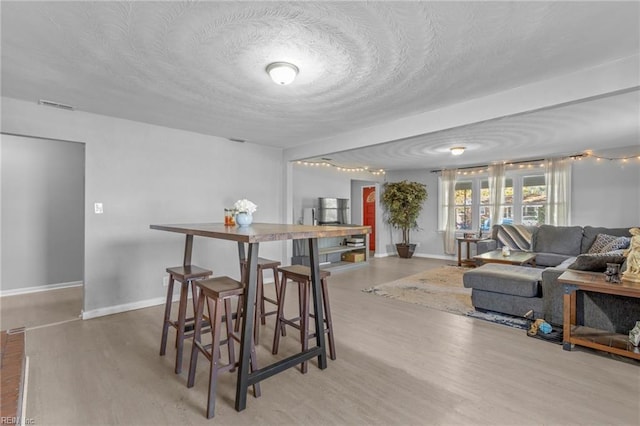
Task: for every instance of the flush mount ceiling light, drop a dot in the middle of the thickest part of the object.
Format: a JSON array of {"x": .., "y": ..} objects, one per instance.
[
  {"x": 282, "y": 72},
  {"x": 457, "y": 150}
]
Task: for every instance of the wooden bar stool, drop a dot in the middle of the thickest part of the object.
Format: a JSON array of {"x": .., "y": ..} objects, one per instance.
[
  {"x": 261, "y": 313},
  {"x": 217, "y": 292},
  {"x": 185, "y": 275},
  {"x": 302, "y": 275}
]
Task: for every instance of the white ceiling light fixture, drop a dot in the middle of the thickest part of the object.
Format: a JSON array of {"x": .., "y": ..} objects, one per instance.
[
  {"x": 457, "y": 150},
  {"x": 282, "y": 72}
]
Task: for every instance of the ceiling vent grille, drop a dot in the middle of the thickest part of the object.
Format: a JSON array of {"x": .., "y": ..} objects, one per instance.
[{"x": 56, "y": 105}]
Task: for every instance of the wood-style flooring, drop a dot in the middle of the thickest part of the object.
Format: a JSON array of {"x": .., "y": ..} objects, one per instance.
[{"x": 398, "y": 364}]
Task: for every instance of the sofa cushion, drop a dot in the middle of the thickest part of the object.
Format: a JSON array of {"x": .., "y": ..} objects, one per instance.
[
  {"x": 506, "y": 279},
  {"x": 551, "y": 259},
  {"x": 596, "y": 262},
  {"x": 558, "y": 239},
  {"x": 590, "y": 234},
  {"x": 605, "y": 243}
]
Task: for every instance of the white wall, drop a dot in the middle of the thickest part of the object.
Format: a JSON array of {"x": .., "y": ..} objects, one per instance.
[
  {"x": 607, "y": 193},
  {"x": 144, "y": 175},
  {"x": 310, "y": 183},
  {"x": 429, "y": 241},
  {"x": 42, "y": 212}
]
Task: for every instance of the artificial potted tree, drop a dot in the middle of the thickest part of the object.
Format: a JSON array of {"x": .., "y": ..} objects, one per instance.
[{"x": 403, "y": 203}]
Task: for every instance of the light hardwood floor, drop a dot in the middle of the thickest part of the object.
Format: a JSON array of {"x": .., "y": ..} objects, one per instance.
[{"x": 398, "y": 364}]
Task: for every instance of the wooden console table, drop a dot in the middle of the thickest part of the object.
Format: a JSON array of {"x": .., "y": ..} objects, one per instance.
[{"x": 574, "y": 334}]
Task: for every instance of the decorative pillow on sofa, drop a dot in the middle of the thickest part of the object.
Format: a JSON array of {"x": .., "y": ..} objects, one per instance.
[
  {"x": 605, "y": 243},
  {"x": 596, "y": 262},
  {"x": 619, "y": 243}
]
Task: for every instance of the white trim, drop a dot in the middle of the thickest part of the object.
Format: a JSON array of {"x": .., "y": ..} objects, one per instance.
[
  {"x": 116, "y": 309},
  {"x": 432, "y": 256},
  {"x": 436, "y": 256},
  {"x": 37, "y": 289}
]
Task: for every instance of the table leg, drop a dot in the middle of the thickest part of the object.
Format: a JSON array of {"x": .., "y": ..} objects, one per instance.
[
  {"x": 188, "y": 248},
  {"x": 249, "y": 297},
  {"x": 568, "y": 314},
  {"x": 459, "y": 253},
  {"x": 317, "y": 301}
]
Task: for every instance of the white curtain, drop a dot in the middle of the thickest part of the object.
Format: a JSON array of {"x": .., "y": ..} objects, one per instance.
[
  {"x": 449, "y": 200},
  {"x": 558, "y": 181},
  {"x": 496, "y": 193}
]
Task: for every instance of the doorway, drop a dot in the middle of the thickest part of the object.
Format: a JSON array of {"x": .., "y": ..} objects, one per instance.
[
  {"x": 369, "y": 213},
  {"x": 42, "y": 215}
]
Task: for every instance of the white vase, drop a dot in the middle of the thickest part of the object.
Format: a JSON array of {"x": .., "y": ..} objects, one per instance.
[{"x": 244, "y": 219}]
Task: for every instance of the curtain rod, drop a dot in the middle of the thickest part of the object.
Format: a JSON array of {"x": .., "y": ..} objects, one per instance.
[{"x": 508, "y": 163}]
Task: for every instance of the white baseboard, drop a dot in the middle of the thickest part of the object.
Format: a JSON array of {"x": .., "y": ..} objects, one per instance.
[
  {"x": 381, "y": 255},
  {"x": 37, "y": 289},
  {"x": 436, "y": 256},
  {"x": 425, "y": 255},
  {"x": 117, "y": 309}
]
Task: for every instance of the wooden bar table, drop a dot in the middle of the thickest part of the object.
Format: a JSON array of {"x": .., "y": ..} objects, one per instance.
[{"x": 253, "y": 235}]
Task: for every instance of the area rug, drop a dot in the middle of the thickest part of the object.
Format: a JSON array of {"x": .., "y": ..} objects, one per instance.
[{"x": 441, "y": 288}]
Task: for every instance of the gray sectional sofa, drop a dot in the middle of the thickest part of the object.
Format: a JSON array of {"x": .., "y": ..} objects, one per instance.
[{"x": 517, "y": 289}]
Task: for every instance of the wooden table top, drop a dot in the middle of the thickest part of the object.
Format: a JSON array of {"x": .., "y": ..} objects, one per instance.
[
  {"x": 260, "y": 232},
  {"x": 595, "y": 281}
]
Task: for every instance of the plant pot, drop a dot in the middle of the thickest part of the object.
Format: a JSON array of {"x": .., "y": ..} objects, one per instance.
[{"x": 405, "y": 250}]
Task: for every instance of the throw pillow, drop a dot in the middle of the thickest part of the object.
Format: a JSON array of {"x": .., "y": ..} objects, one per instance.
[
  {"x": 619, "y": 243},
  {"x": 596, "y": 262},
  {"x": 601, "y": 241}
]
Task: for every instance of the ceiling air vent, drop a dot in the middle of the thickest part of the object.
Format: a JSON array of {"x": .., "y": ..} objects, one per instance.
[{"x": 56, "y": 105}]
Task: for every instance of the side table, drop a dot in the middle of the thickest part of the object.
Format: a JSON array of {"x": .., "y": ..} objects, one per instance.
[
  {"x": 468, "y": 261},
  {"x": 574, "y": 334}
]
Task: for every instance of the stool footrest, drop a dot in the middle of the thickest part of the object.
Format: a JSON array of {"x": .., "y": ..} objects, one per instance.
[{"x": 284, "y": 364}]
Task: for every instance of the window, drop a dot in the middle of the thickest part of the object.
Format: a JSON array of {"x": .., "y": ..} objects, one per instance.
[
  {"x": 464, "y": 204},
  {"x": 524, "y": 200},
  {"x": 534, "y": 197}
]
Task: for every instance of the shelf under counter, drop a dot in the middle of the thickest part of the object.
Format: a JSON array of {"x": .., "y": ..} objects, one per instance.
[{"x": 339, "y": 249}]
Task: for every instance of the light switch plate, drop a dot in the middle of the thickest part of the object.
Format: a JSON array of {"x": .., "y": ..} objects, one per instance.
[{"x": 98, "y": 208}]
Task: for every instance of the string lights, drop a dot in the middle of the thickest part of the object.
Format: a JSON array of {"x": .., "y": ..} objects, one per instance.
[
  {"x": 590, "y": 154},
  {"x": 472, "y": 170},
  {"x": 340, "y": 168},
  {"x": 530, "y": 164}
]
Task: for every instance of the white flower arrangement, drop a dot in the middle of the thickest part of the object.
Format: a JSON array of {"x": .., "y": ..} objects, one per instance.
[{"x": 245, "y": 206}]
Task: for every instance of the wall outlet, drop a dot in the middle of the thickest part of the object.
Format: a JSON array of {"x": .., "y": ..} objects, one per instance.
[
  {"x": 97, "y": 207},
  {"x": 165, "y": 281}
]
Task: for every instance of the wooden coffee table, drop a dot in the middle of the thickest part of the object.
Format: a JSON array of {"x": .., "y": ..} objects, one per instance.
[
  {"x": 515, "y": 258},
  {"x": 574, "y": 334}
]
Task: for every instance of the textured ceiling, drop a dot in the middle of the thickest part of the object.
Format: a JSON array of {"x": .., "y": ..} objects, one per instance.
[
  {"x": 595, "y": 125},
  {"x": 200, "y": 66}
]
